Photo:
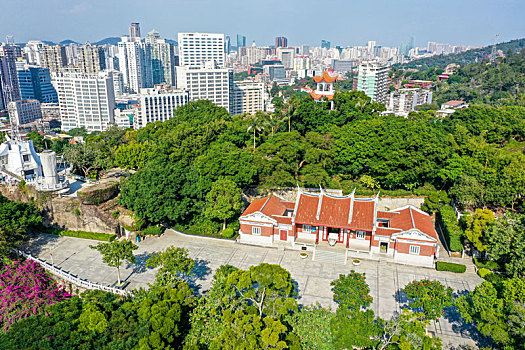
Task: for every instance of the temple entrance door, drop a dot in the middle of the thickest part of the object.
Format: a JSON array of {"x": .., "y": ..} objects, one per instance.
[
  {"x": 383, "y": 247},
  {"x": 283, "y": 234}
]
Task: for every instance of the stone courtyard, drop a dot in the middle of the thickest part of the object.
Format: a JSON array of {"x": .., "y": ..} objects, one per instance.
[{"x": 312, "y": 277}]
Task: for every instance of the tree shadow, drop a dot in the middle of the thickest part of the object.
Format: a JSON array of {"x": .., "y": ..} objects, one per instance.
[
  {"x": 296, "y": 289},
  {"x": 459, "y": 326},
  {"x": 140, "y": 263},
  {"x": 39, "y": 244},
  {"x": 200, "y": 272}
]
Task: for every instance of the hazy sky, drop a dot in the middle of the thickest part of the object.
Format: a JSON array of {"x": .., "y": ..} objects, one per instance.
[{"x": 343, "y": 22}]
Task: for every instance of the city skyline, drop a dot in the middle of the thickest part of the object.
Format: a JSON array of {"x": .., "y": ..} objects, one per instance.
[{"x": 467, "y": 23}]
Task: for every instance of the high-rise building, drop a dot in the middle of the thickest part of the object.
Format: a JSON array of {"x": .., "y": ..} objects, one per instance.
[
  {"x": 72, "y": 54},
  {"x": 304, "y": 50},
  {"x": 135, "y": 64},
  {"x": 134, "y": 30},
  {"x": 35, "y": 84},
  {"x": 85, "y": 100},
  {"x": 195, "y": 49},
  {"x": 241, "y": 40},
  {"x": 157, "y": 104},
  {"x": 372, "y": 79},
  {"x": 247, "y": 97},
  {"x": 91, "y": 59},
  {"x": 286, "y": 55},
  {"x": 9, "y": 88},
  {"x": 53, "y": 57},
  {"x": 275, "y": 71},
  {"x": 207, "y": 83},
  {"x": 253, "y": 54},
  {"x": 281, "y": 41},
  {"x": 162, "y": 59},
  {"x": 24, "y": 111},
  {"x": 325, "y": 44},
  {"x": 227, "y": 44},
  {"x": 32, "y": 51}
]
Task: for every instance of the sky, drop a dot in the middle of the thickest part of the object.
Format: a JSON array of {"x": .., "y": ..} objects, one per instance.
[{"x": 342, "y": 22}]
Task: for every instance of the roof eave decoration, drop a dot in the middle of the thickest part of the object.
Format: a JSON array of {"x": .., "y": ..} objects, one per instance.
[{"x": 327, "y": 78}]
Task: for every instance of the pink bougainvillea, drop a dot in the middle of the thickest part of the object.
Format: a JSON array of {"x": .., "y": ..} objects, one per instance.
[{"x": 25, "y": 290}]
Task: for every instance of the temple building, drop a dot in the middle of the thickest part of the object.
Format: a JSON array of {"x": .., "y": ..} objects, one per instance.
[
  {"x": 325, "y": 88},
  {"x": 321, "y": 220}
]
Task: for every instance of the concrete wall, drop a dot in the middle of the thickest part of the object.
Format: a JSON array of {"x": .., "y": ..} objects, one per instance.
[
  {"x": 258, "y": 240},
  {"x": 419, "y": 260},
  {"x": 389, "y": 203}
]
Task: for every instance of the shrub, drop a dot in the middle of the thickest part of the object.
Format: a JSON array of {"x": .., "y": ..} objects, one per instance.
[
  {"x": 446, "y": 266},
  {"x": 490, "y": 264},
  {"x": 76, "y": 211},
  {"x": 483, "y": 272},
  {"x": 116, "y": 214},
  {"x": 450, "y": 226},
  {"x": 228, "y": 233},
  {"x": 153, "y": 231},
  {"x": 26, "y": 289},
  {"x": 98, "y": 236},
  {"x": 494, "y": 278}
]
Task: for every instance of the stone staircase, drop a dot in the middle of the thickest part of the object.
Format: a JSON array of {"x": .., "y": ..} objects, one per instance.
[{"x": 330, "y": 256}]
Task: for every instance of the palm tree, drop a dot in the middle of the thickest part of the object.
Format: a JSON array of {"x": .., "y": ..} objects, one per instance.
[{"x": 256, "y": 124}]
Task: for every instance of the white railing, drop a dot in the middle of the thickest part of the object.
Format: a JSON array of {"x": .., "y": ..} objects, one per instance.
[{"x": 70, "y": 278}]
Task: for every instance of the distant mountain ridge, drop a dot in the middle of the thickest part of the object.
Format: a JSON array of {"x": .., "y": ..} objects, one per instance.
[{"x": 106, "y": 41}]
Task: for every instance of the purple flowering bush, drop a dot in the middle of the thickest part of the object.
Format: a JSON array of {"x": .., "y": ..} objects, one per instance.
[{"x": 25, "y": 290}]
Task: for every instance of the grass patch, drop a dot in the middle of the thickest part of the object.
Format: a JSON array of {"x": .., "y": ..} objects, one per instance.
[
  {"x": 98, "y": 236},
  {"x": 446, "y": 266}
]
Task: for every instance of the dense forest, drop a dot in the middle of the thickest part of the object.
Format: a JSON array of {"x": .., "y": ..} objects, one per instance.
[{"x": 476, "y": 155}]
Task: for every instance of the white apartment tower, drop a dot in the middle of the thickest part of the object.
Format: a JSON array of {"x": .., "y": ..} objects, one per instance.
[
  {"x": 85, "y": 100},
  {"x": 135, "y": 64},
  {"x": 91, "y": 59},
  {"x": 247, "y": 97},
  {"x": 158, "y": 104},
  {"x": 372, "y": 79},
  {"x": 404, "y": 101},
  {"x": 197, "y": 48},
  {"x": 24, "y": 111},
  {"x": 206, "y": 83}
]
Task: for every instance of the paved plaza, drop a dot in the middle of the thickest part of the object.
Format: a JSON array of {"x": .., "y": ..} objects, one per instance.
[{"x": 313, "y": 278}]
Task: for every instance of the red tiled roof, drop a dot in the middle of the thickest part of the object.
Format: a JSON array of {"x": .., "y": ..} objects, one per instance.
[
  {"x": 287, "y": 220},
  {"x": 326, "y": 77},
  {"x": 409, "y": 218},
  {"x": 386, "y": 214},
  {"x": 269, "y": 206},
  {"x": 363, "y": 217},
  {"x": 319, "y": 96},
  {"x": 335, "y": 212},
  {"x": 254, "y": 206},
  {"x": 454, "y": 103},
  {"x": 382, "y": 231}
]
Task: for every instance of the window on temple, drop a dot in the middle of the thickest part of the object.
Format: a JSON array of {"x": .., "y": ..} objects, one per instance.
[
  {"x": 383, "y": 222},
  {"x": 414, "y": 249},
  {"x": 256, "y": 231},
  {"x": 307, "y": 228},
  {"x": 361, "y": 234}
]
